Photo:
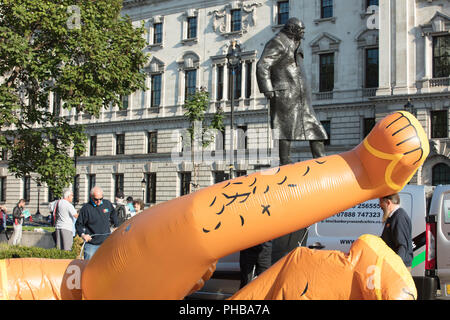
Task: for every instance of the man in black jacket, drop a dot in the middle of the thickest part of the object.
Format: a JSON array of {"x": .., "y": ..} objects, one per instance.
[
  {"x": 397, "y": 228},
  {"x": 94, "y": 221}
]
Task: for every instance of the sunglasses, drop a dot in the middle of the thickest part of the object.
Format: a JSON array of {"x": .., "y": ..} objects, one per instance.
[{"x": 99, "y": 199}]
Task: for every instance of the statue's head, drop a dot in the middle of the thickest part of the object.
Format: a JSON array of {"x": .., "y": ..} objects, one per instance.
[{"x": 294, "y": 28}]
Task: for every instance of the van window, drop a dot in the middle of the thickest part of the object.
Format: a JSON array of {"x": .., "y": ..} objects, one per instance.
[
  {"x": 447, "y": 211},
  {"x": 361, "y": 219}
]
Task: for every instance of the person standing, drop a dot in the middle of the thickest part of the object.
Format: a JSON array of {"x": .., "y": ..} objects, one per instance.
[
  {"x": 254, "y": 261},
  {"x": 397, "y": 231},
  {"x": 3, "y": 218},
  {"x": 65, "y": 215},
  {"x": 122, "y": 208},
  {"x": 94, "y": 221},
  {"x": 18, "y": 216},
  {"x": 138, "y": 205}
]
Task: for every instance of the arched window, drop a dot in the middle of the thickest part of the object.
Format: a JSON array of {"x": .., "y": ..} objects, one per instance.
[{"x": 441, "y": 174}]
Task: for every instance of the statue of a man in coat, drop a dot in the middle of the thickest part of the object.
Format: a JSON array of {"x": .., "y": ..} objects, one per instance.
[{"x": 281, "y": 78}]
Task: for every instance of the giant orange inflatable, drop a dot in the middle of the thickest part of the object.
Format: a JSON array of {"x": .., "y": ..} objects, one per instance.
[
  {"x": 170, "y": 249},
  {"x": 369, "y": 271}
]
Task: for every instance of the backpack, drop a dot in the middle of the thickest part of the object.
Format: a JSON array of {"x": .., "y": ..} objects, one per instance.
[{"x": 121, "y": 214}]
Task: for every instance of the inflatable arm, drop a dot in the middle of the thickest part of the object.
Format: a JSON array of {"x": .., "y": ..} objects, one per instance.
[
  {"x": 170, "y": 249},
  {"x": 166, "y": 251}
]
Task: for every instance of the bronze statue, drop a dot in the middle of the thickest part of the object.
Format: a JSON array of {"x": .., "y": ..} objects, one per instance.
[{"x": 282, "y": 79}]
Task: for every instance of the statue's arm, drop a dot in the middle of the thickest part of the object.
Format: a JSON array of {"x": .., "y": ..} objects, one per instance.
[{"x": 271, "y": 55}]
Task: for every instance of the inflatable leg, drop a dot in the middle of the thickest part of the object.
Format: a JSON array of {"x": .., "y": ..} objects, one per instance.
[
  {"x": 41, "y": 279},
  {"x": 371, "y": 270},
  {"x": 163, "y": 252}
]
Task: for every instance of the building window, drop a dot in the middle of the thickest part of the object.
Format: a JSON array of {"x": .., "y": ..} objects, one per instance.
[
  {"x": 368, "y": 124},
  {"x": 326, "y": 8},
  {"x": 248, "y": 80},
  {"x": 26, "y": 188},
  {"x": 220, "y": 140},
  {"x": 440, "y": 174},
  {"x": 51, "y": 195},
  {"x": 240, "y": 173},
  {"x": 242, "y": 137},
  {"x": 156, "y": 90},
  {"x": 191, "y": 81},
  {"x": 157, "y": 33},
  {"x": 76, "y": 189},
  {"x": 91, "y": 183},
  {"x": 56, "y": 104},
  {"x": 152, "y": 142},
  {"x": 118, "y": 183},
  {"x": 283, "y": 12},
  {"x": 93, "y": 146},
  {"x": 185, "y": 179},
  {"x": 371, "y": 3},
  {"x": 439, "y": 124},
  {"x": 326, "y": 81},
  {"x": 120, "y": 144},
  {"x": 236, "y": 20},
  {"x": 441, "y": 56},
  {"x": 237, "y": 82},
  {"x": 192, "y": 27},
  {"x": 124, "y": 102},
  {"x": 220, "y": 75},
  {"x": 371, "y": 68},
  {"x": 150, "y": 190},
  {"x": 2, "y": 189},
  {"x": 4, "y": 154},
  {"x": 327, "y": 126},
  {"x": 220, "y": 176}
]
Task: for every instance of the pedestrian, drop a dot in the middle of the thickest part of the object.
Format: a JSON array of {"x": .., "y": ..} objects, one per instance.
[
  {"x": 130, "y": 204},
  {"x": 18, "y": 216},
  {"x": 254, "y": 261},
  {"x": 122, "y": 208},
  {"x": 94, "y": 221},
  {"x": 3, "y": 218},
  {"x": 397, "y": 231},
  {"x": 138, "y": 205},
  {"x": 65, "y": 215}
]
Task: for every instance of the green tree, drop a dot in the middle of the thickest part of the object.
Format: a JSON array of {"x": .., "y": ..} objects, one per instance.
[
  {"x": 84, "y": 53},
  {"x": 201, "y": 135}
]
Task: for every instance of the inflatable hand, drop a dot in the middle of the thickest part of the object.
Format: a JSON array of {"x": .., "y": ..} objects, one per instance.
[
  {"x": 369, "y": 271},
  {"x": 163, "y": 252}
]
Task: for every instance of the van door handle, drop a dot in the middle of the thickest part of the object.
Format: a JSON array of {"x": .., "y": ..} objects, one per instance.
[{"x": 316, "y": 245}]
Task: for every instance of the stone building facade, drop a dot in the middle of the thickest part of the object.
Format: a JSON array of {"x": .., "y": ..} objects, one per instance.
[{"x": 363, "y": 60}]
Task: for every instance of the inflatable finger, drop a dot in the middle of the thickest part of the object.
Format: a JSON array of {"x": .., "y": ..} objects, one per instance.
[
  {"x": 41, "y": 279},
  {"x": 369, "y": 271},
  {"x": 164, "y": 252}
]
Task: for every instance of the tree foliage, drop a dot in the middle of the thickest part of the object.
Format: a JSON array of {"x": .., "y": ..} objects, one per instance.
[
  {"x": 84, "y": 53},
  {"x": 196, "y": 106}
]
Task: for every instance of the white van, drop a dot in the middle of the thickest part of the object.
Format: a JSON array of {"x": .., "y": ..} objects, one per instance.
[
  {"x": 341, "y": 230},
  {"x": 431, "y": 262},
  {"x": 438, "y": 242}
]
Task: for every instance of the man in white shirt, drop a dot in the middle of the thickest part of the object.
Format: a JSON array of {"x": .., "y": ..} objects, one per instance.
[{"x": 65, "y": 218}]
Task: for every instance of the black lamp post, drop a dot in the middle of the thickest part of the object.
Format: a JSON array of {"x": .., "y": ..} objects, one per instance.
[
  {"x": 39, "y": 185},
  {"x": 234, "y": 60},
  {"x": 143, "y": 186}
]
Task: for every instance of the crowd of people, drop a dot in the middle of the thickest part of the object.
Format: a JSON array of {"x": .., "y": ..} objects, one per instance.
[{"x": 93, "y": 222}]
